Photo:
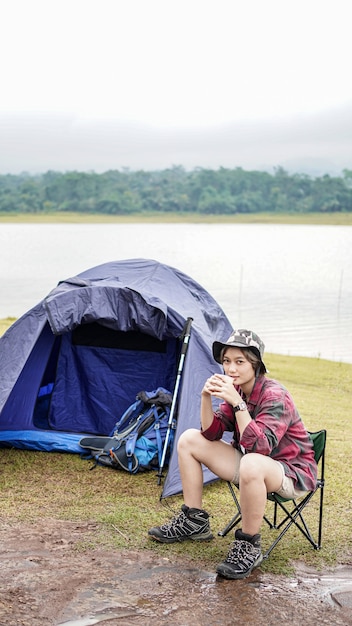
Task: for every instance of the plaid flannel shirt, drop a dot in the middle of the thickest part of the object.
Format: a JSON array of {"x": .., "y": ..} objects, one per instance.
[{"x": 276, "y": 430}]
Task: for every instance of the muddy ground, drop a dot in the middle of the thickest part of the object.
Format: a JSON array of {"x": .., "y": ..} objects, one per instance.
[{"x": 45, "y": 580}]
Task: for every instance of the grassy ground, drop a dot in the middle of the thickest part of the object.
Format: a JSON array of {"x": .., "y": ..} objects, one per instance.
[
  {"x": 62, "y": 486},
  {"x": 5, "y": 323},
  {"x": 341, "y": 219}
]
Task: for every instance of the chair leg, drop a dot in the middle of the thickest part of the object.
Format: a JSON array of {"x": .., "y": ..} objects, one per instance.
[
  {"x": 236, "y": 518},
  {"x": 292, "y": 516},
  {"x": 321, "y": 486}
]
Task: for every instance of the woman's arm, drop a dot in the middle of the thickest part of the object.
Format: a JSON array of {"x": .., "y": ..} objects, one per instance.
[
  {"x": 221, "y": 386},
  {"x": 213, "y": 423},
  {"x": 206, "y": 411}
]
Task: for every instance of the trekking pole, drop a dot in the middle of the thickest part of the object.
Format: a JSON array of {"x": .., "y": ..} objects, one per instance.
[{"x": 185, "y": 337}]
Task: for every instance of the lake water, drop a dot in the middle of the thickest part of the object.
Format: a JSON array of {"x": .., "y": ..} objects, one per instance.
[{"x": 292, "y": 284}]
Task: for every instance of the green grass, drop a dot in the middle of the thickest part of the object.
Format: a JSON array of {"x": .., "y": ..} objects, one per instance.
[
  {"x": 341, "y": 219},
  {"x": 5, "y": 323},
  {"x": 61, "y": 486}
]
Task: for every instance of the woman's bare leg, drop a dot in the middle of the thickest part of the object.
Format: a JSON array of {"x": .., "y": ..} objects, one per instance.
[
  {"x": 259, "y": 475},
  {"x": 193, "y": 450}
]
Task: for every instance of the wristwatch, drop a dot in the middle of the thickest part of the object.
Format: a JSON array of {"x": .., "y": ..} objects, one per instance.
[{"x": 240, "y": 407}]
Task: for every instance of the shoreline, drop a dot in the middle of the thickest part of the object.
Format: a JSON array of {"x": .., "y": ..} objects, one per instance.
[{"x": 315, "y": 219}]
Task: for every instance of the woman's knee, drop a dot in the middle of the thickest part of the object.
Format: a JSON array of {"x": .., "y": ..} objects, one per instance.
[
  {"x": 188, "y": 438},
  {"x": 251, "y": 467},
  {"x": 257, "y": 467}
]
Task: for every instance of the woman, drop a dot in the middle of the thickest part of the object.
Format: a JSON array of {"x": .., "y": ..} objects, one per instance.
[{"x": 270, "y": 452}]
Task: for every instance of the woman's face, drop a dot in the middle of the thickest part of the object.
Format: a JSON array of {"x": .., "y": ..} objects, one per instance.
[{"x": 238, "y": 367}]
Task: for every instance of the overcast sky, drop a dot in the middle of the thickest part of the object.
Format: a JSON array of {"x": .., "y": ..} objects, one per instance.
[{"x": 106, "y": 84}]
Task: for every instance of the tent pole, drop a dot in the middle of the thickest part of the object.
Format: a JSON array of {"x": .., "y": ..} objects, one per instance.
[{"x": 185, "y": 337}]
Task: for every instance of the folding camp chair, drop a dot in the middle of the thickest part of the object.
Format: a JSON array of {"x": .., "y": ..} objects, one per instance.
[{"x": 292, "y": 509}]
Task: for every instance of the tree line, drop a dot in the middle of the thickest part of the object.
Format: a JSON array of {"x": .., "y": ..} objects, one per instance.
[{"x": 205, "y": 191}]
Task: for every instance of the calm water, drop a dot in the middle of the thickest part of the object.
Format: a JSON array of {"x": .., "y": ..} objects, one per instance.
[{"x": 292, "y": 284}]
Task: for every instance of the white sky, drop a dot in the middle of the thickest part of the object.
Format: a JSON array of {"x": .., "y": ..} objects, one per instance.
[{"x": 99, "y": 84}]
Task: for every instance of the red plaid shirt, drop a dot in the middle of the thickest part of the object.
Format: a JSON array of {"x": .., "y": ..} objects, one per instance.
[{"x": 276, "y": 430}]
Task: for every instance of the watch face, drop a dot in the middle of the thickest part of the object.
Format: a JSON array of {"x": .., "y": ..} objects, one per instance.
[{"x": 240, "y": 407}]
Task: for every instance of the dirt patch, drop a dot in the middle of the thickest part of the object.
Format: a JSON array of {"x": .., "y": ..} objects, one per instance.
[{"x": 46, "y": 580}]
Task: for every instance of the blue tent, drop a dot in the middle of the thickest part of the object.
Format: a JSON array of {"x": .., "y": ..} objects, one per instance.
[{"x": 76, "y": 361}]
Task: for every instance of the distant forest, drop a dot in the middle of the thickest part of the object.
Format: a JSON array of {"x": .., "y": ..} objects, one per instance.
[{"x": 175, "y": 190}]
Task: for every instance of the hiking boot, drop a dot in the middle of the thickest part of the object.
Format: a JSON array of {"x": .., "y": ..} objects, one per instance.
[
  {"x": 244, "y": 555},
  {"x": 188, "y": 524}
]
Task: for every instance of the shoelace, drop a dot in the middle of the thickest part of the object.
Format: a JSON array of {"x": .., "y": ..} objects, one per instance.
[
  {"x": 241, "y": 550},
  {"x": 178, "y": 519}
]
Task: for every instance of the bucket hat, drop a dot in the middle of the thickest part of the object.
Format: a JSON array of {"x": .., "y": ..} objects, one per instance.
[{"x": 241, "y": 339}]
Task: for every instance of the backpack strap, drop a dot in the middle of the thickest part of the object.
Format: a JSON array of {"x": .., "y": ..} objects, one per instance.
[
  {"x": 122, "y": 452},
  {"x": 160, "y": 413},
  {"x": 124, "y": 458},
  {"x": 96, "y": 444}
]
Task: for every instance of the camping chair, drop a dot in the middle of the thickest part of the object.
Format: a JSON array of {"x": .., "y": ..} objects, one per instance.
[{"x": 292, "y": 509}]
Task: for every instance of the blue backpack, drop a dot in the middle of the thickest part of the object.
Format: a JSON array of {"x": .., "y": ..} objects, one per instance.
[{"x": 136, "y": 443}]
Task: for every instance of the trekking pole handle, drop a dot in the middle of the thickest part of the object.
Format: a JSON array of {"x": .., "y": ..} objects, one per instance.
[{"x": 186, "y": 335}]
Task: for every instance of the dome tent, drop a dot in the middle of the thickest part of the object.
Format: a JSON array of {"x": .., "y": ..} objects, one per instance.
[{"x": 75, "y": 361}]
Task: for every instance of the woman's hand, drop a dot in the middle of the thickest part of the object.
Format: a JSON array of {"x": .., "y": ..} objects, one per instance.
[{"x": 221, "y": 386}]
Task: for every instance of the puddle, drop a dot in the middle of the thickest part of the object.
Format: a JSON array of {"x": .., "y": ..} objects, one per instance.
[
  {"x": 85, "y": 621},
  {"x": 89, "y": 621},
  {"x": 165, "y": 593},
  {"x": 334, "y": 587}
]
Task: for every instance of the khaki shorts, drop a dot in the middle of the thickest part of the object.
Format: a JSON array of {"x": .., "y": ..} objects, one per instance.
[{"x": 287, "y": 489}]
